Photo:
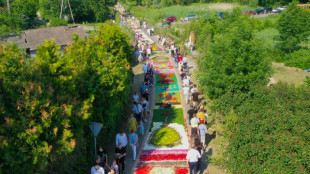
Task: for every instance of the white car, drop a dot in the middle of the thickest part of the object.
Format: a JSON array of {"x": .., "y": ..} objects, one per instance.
[{"x": 281, "y": 8}]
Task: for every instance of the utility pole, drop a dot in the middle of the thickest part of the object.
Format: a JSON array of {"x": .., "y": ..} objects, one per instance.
[
  {"x": 8, "y": 5},
  {"x": 61, "y": 7},
  {"x": 71, "y": 11}
]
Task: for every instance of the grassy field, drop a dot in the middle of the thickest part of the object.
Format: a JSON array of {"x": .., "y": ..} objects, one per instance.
[
  {"x": 268, "y": 37},
  {"x": 288, "y": 75},
  {"x": 154, "y": 15}
]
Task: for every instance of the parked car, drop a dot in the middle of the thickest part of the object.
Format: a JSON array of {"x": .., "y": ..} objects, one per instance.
[
  {"x": 267, "y": 10},
  {"x": 258, "y": 11},
  {"x": 281, "y": 8},
  {"x": 278, "y": 11},
  {"x": 171, "y": 19},
  {"x": 250, "y": 12},
  {"x": 190, "y": 17}
]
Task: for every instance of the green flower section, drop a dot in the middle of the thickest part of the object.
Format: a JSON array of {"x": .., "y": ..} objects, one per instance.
[
  {"x": 166, "y": 136},
  {"x": 175, "y": 116}
]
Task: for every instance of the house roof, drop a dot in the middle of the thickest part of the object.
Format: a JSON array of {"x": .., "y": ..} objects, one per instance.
[{"x": 61, "y": 35}]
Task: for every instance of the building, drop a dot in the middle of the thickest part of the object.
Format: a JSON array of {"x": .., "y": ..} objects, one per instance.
[{"x": 31, "y": 39}]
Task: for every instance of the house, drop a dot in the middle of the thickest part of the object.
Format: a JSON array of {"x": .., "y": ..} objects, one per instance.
[{"x": 31, "y": 39}]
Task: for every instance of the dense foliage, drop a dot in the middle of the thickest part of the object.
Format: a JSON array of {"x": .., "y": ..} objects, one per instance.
[
  {"x": 299, "y": 59},
  {"x": 20, "y": 17},
  {"x": 47, "y": 103},
  {"x": 268, "y": 130},
  {"x": 294, "y": 27},
  {"x": 83, "y": 10},
  {"x": 233, "y": 59},
  {"x": 23, "y": 13}
]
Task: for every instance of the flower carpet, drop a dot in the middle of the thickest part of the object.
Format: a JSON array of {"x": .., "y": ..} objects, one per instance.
[
  {"x": 167, "y": 122},
  {"x": 169, "y": 158}
]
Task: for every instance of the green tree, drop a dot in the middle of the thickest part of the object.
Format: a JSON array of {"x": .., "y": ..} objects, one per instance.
[
  {"x": 47, "y": 103},
  {"x": 293, "y": 26},
  {"x": 268, "y": 124},
  {"x": 234, "y": 61}
]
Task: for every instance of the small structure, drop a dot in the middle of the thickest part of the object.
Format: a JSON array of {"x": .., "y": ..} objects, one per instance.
[{"x": 31, "y": 39}]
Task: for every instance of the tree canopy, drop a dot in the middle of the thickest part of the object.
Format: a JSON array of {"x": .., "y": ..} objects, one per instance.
[{"x": 48, "y": 102}]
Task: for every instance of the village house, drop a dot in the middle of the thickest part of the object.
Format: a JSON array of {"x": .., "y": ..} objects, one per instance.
[{"x": 31, "y": 39}]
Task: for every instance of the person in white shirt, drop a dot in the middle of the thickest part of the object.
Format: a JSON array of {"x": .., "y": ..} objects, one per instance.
[
  {"x": 185, "y": 81},
  {"x": 193, "y": 89},
  {"x": 164, "y": 41},
  {"x": 149, "y": 52},
  {"x": 135, "y": 97},
  {"x": 186, "y": 93},
  {"x": 96, "y": 169},
  {"x": 172, "y": 49},
  {"x": 121, "y": 138},
  {"x": 192, "y": 159},
  {"x": 185, "y": 62}
]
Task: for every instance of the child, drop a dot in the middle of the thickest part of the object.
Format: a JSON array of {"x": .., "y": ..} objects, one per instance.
[
  {"x": 141, "y": 127},
  {"x": 114, "y": 166}
]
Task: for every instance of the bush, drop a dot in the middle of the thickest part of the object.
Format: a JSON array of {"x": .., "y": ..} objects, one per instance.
[
  {"x": 299, "y": 59},
  {"x": 268, "y": 124}
]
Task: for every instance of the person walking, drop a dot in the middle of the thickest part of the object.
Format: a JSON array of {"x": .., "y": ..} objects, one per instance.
[
  {"x": 141, "y": 126},
  {"x": 186, "y": 93},
  {"x": 192, "y": 159},
  {"x": 137, "y": 109},
  {"x": 120, "y": 154},
  {"x": 115, "y": 167},
  {"x": 191, "y": 112},
  {"x": 147, "y": 94},
  {"x": 135, "y": 97},
  {"x": 133, "y": 139},
  {"x": 149, "y": 51},
  {"x": 121, "y": 138},
  {"x": 96, "y": 169},
  {"x": 132, "y": 123},
  {"x": 143, "y": 88},
  {"x": 145, "y": 108},
  {"x": 202, "y": 130},
  {"x": 195, "y": 98},
  {"x": 185, "y": 60},
  {"x": 144, "y": 68},
  {"x": 103, "y": 155}
]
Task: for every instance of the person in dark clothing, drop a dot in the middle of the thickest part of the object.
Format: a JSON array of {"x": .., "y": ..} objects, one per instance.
[
  {"x": 183, "y": 74},
  {"x": 146, "y": 95},
  {"x": 191, "y": 112},
  {"x": 120, "y": 153},
  {"x": 146, "y": 79},
  {"x": 195, "y": 98},
  {"x": 103, "y": 155}
]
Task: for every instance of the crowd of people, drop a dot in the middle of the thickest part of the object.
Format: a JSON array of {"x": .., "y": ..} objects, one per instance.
[{"x": 197, "y": 117}]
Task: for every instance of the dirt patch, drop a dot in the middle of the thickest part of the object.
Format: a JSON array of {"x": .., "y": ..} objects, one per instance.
[
  {"x": 290, "y": 75},
  {"x": 221, "y": 6}
]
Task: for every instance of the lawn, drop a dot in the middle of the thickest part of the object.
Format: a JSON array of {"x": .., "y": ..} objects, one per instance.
[
  {"x": 267, "y": 37},
  {"x": 154, "y": 15},
  {"x": 288, "y": 75}
]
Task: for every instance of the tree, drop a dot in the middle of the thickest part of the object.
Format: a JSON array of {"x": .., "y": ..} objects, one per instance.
[
  {"x": 268, "y": 124},
  {"x": 294, "y": 27},
  {"x": 47, "y": 103},
  {"x": 234, "y": 61}
]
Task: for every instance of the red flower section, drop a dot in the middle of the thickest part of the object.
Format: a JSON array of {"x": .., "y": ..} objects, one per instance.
[
  {"x": 144, "y": 170},
  {"x": 163, "y": 157},
  {"x": 181, "y": 171}
]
